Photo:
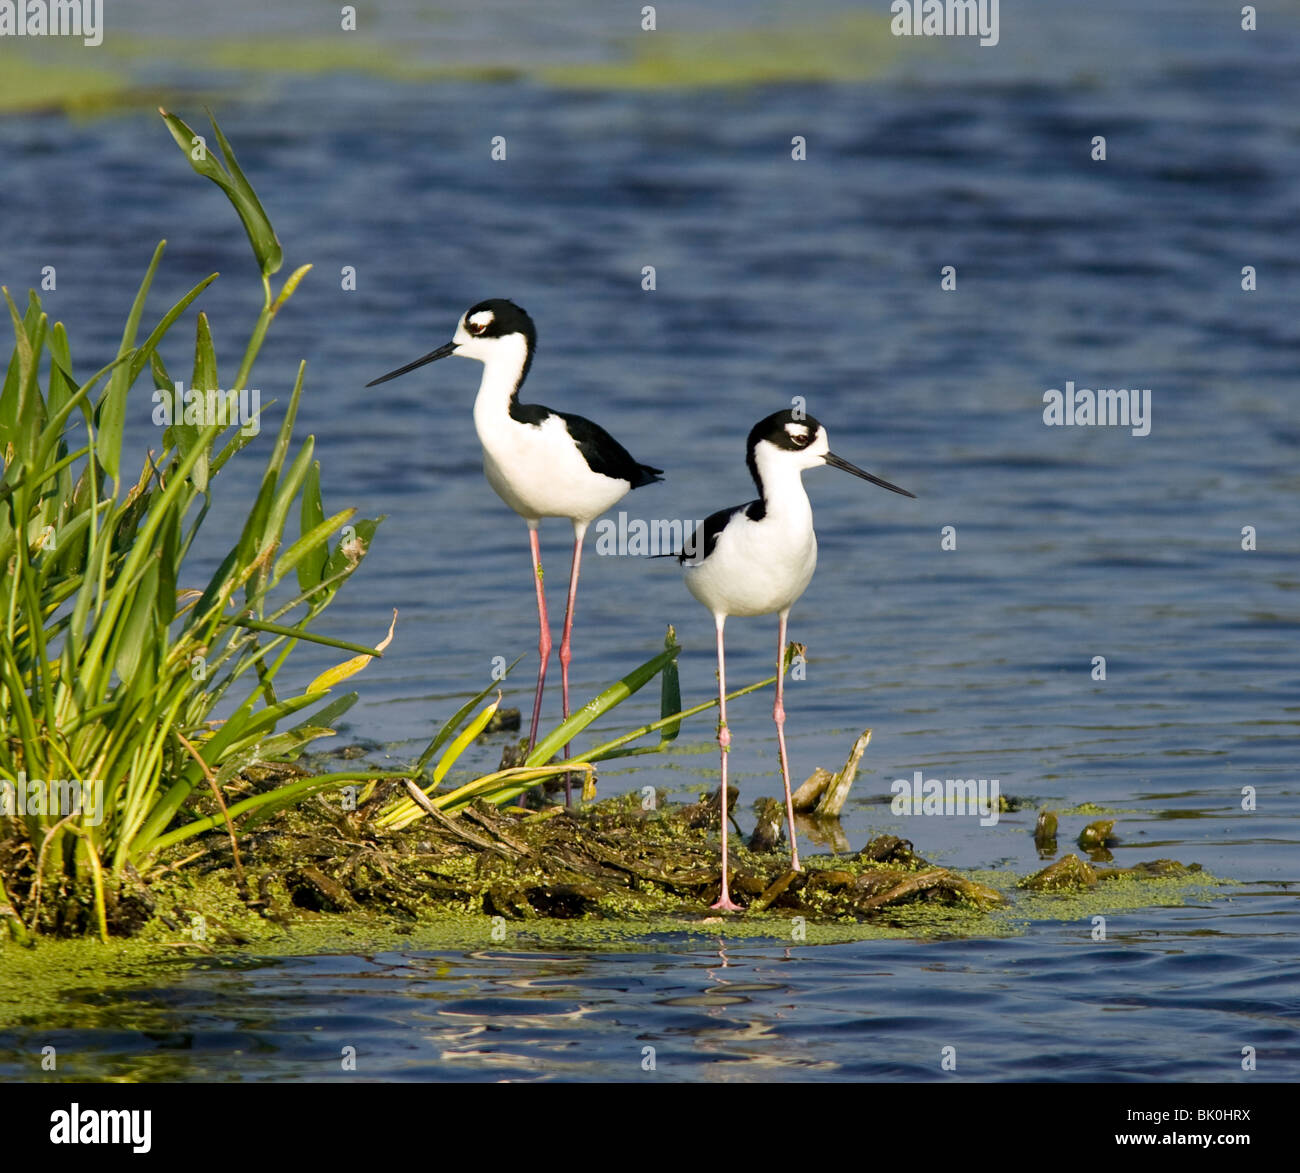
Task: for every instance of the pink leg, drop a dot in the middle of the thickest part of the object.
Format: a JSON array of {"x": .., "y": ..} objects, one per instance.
[
  {"x": 724, "y": 901},
  {"x": 778, "y": 715},
  {"x": 566, "y": 653},
  {"x": 544, "y": 636}
]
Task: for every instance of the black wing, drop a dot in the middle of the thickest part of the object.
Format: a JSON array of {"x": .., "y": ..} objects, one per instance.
[
  {"x": 706, "y": 536},
  {"x": 601, "y": 451}
]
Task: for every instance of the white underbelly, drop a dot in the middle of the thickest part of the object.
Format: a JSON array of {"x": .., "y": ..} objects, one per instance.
[
  {"x": 748, "y": 575},
  {"x": 539, "y": 472}
]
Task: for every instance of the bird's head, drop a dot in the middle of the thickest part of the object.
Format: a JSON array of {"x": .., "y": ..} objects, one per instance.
[
  {"x": 492, "y": 327},
  {"x": 492, "y": 331},
  {"x": 793, "y": 439}
]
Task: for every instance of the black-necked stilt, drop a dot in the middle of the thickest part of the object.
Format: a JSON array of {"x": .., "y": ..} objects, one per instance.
[
  {"x": 542, "y": 463},
  {"x": 759, "y": 558}
]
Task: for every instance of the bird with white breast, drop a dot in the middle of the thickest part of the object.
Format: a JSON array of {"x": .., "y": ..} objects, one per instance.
[
  {"x": 757, "y": 559},
  {"x": 542, "y": 463}
]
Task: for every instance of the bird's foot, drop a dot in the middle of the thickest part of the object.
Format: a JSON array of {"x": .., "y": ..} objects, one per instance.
[{"x": 725, "y": 904}]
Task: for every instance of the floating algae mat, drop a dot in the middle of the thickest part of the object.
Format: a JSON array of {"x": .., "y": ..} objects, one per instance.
[
  {"x": 321, "y": 879},
  {"x": 53, "y": 75}
]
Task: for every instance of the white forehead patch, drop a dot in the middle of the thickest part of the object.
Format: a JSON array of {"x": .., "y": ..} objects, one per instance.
[
  {"x": 798, "y": 431},
  {"x": 482, "y": 319}
]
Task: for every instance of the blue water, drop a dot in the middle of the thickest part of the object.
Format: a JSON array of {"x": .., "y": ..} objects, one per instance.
[{"x": 776, "y": 279}]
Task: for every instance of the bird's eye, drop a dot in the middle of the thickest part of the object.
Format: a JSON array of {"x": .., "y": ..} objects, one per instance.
[
  {"x": 476, "y": 327},
  {"x": 799, "y": 438}
]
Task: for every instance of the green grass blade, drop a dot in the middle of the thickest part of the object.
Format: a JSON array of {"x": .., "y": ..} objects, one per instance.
[
  {"x": 613, "y": 749},
  {"x": 454, "y": 723},
  {"x": 670, "y": 693},
  {"x": 311, "y": 564},
  {"x": 112, "y": 405},
  {"x": 615, "y": 695}
]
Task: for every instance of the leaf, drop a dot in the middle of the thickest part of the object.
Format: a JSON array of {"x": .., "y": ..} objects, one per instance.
[
  {"x": 111, "y": 410},
  {"x": 404, "y": 811},
  {"x": 287, "y": 490},
  {"x": 165, "y": 323},
  {"x": 258, "y": 527},
  {"x": 302, "y": 633},
  {"x": 457, "y": 747},
  {"x": 61, "y": 384},
  {"x": 328, "y": 679},
  {"x": 167, "y": 566},
  {"x": 670, "y": 693},
  {"x": 287, "y": 290},
  {"x": 312, "y": 544},
  {"x": 138, "y": 635},
  {"x": 616, "y": 694},
  {"x": 614, "y": 749},
  {"x": 22, "y": 412},
  {"x": 331, "y": 712},
  {"x": 237, "y": 731},
  {"x": 311, "y": 566},
  {"x": 204, "y": 379},
  {"x": 239, "y": 441},
  {"x": 231, "y": 180},
  {"x": 262, "y": 805},
  {"x": 353, "y": 545},
  {"x": 292, "y": 740},
  {"x": 453, "y": 723}
]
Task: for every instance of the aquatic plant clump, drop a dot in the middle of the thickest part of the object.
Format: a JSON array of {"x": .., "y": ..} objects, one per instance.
[
  {"x": 632, "y": 866},
  {"x": 113, "y": 657}
]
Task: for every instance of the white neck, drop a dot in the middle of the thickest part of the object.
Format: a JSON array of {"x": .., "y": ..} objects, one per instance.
[
  {"x": 502, "y": 374},
  {"x": 783, "y": 491}
]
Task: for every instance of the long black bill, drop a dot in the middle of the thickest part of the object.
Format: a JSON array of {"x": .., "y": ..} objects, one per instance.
[
  {"x": 835, "y": 462},
  {"x": 432, "y": 356}
]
